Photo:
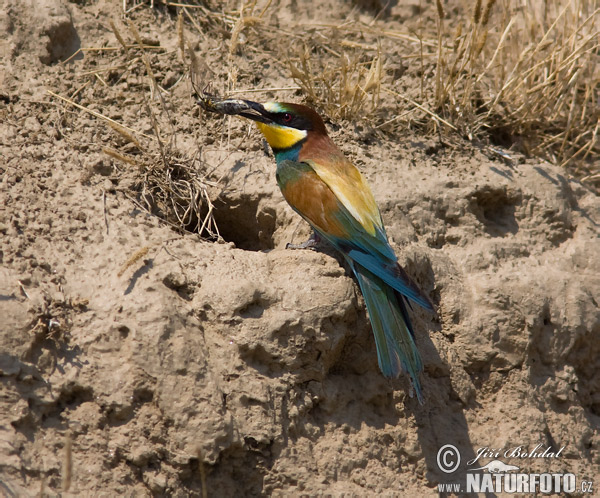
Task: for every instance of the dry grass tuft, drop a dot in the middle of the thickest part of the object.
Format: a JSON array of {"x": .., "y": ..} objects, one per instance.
[
  {"x": 346, "y": 87},
  {"x": 166, "y": 182},
  {"x": 177, "y": 192},
  {"x": 526, "y": 75}
]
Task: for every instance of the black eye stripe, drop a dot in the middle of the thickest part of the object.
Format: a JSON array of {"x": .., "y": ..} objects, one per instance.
[{"x": 293, "y": 121}]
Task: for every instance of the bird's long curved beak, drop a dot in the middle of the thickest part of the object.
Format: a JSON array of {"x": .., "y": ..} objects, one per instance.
[{"x": 245, "y": 108}]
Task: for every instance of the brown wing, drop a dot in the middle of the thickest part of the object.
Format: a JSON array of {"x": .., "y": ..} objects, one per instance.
[{"x": 313, "y": 200}]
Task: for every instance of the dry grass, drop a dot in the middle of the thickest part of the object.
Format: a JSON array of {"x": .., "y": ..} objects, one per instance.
[
  {"x": 135, "y": 257},
  {"x": 527, "y": 75},
  {"x": 346, "y": 85}
]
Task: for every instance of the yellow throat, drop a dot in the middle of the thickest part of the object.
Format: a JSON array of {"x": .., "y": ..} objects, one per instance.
[{"x": 281, "y": 137}]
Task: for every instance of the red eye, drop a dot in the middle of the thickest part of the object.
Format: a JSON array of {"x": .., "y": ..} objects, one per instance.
[{"x": 287, "y": 117}]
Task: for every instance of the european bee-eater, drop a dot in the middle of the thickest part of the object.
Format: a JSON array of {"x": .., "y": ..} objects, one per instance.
[{"x": 329, "y": 192}]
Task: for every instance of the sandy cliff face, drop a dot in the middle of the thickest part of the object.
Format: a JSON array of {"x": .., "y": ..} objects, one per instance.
[{"x": 243, "y": 367}]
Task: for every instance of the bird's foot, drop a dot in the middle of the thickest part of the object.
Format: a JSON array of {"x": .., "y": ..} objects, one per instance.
[{"x": 311, "y": 243}]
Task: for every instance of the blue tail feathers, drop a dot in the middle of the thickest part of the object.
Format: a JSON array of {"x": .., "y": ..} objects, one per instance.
[{"x": 394, "y": 335}]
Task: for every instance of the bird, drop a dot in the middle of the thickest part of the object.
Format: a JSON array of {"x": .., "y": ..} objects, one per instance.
[{"x": 330, "y": 193}]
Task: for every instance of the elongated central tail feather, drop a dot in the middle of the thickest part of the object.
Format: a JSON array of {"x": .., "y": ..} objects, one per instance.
[{"x": 396, "y": 348}]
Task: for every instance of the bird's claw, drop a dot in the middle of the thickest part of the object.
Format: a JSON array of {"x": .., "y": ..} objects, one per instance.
[{"x": 311, "y": 243}]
